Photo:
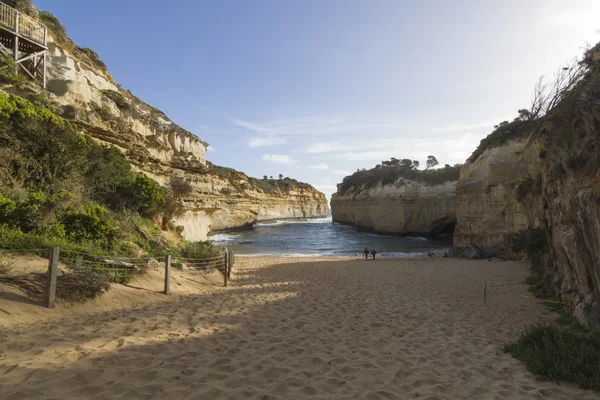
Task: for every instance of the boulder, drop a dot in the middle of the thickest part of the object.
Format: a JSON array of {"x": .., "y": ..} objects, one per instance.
[
  {"x": 492, "y": 252},
  {"x": 438, "y": 253},
  {"x": 469, "y": 251}
]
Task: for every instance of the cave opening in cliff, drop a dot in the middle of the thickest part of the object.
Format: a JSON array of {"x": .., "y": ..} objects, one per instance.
[{"x": 448, "y": 228}]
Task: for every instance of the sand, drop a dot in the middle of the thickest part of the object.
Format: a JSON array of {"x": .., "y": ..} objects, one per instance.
[{"x": 284, "y": 329}]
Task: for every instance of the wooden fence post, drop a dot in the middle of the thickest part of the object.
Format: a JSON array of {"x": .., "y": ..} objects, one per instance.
[
  {"x": 167, "y": 274},
  {"x": 226, "y": 255},
  {"x": 229, "y": 264},
  {"x": 52, "y": 274},
  {"x": 484, "y": 292}
]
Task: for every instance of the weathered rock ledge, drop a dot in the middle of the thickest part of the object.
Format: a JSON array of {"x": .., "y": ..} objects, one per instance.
[{"x": 404, "y": 207}]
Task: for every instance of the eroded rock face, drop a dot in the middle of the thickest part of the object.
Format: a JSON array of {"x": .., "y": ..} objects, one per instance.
[
  {"x": 400, "y": 208},
  {"x": 487, "y": 208},
  {"x": 163, "y": 150},
  {"x": 138, "y": 128},
  {"x": 216, "y": 205},
  {"x": 510, "y": 188}
]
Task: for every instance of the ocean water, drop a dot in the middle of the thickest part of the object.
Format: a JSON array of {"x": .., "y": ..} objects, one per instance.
[{"x": 322, "y": 237}]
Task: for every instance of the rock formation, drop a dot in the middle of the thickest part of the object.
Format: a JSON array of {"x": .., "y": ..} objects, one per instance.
[
  {"x": 543, "y": 185},
  {"x": 487, "y": 210},
  {"x": 403, "y": 207},
  {"x": 82, "y": 91}
]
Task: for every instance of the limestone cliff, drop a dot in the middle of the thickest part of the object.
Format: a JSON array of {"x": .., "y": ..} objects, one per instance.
[
  {"x": 545, "y": 179},
  {"x": 81, "y": 90},
  {"x": 407, "y": 207},
  {"x": 232, "y": 200},
  {"x": 487, "y": 209}
]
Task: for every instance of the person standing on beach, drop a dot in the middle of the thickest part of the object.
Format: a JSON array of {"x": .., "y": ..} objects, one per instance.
[
  {"x": 373, "y": 252},
  {"x": 366, "y": 251}
]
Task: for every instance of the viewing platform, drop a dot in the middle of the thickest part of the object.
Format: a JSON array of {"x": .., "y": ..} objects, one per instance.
[{"x": 23, "y": 39}]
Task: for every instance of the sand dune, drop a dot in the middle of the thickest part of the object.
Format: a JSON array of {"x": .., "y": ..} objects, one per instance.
[{"x": 285, "y": 329}]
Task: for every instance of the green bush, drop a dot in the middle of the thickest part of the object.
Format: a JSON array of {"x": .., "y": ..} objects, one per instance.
[
  {"x": 109, "y": 176},
  {"x": 389, "y": 174},
  {"x": 93, "y": 57},
  {"x": 198, "y": 250},
  {"x": 54, "y": 25},
  {"x": 147, "y": 195},
  {"x": 59, "y": 187},
  {"x": 502, "y": 133},
  {"x": 539, "y": 287},
  {"x": 15, "y": 239},
  {"x": 93, "y": 224},
  {"x": 6, "y": 262},
  {"x": 22, "y": 5},
  {"x": 267, "y": 186},
  {"x": 560, "y": 354},
  {"x": 117, "y": 98},
  {"x": 103, "y": 112},
  {"x": 531, "y": 241}
]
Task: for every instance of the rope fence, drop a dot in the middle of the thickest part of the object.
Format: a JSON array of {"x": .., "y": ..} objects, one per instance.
[
  {"x": 88, "y": 271},
  {"x": 504, "y": 288}
]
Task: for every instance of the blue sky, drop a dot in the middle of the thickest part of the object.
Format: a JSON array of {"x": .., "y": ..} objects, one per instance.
[{"x": 316, "y": 89}]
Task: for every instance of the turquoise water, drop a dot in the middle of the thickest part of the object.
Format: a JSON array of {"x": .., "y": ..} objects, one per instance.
[{"x": 322, "y": 237}]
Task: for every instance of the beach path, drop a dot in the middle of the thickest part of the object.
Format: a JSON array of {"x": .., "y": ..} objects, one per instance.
[{"x": 292, "y": 328}]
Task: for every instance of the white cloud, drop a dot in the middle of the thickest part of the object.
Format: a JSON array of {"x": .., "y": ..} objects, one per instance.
[
  {"x": 278, "y": 158},
  {"x": 319, "y": 166},
  {"x": 312, "y": 126},
  {"x": 342, "y": 172},
  {"x": 211, "y": 149},
  {"x": 265, "y": 141},
  {"x": 203, "y": 127}
]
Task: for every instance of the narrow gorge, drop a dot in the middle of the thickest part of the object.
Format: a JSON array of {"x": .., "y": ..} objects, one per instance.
[{"x": 530, "y": 190}]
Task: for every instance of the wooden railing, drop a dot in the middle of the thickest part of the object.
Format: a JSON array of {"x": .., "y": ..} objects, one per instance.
[{"x": 22, "y": 24}]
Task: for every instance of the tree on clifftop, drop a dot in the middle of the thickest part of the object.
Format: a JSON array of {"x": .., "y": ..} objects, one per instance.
[{"x": 431, "y": 162}]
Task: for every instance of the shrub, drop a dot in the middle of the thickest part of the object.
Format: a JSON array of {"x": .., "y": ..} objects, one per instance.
[
  {"x": 54, "y": 25},
  {"x": 22, "y": 5},
  {"x": 81, "y": 286},
  {"x": 117, "y": 98},
  {"x": 147, "y": 195},
  {"x": 392, "y": 172},
  {"x": 560, "y": 354},
  {"x": 539, "y": 287},
  {"x": 502, "y": 133},
  {"x": 15, "y": 239},
  {"x": 90, "y": 225},
  {"x": 93, "y": 57},
  {"x": 109, "y": 175},
  {"x": 6, "y": 263},
  {"x": 46, "y": 150},
  {"x": 531, "y": 241},
  {"x": 11, "y": 77},
  {"x": 103, "y": 112},
  {"x": 199, "y": 250}
]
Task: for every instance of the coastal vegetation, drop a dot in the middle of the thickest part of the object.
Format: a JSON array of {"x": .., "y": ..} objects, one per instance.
[
  {"x": 58, "y": 187},
  {"x": 395, "y": 171},
  {"x": 241, "y": 181},
  {"x": 559, "y": 354}
]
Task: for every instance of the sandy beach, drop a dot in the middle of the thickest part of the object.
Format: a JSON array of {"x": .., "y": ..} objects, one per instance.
[{"x": 285, "y": 328}]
